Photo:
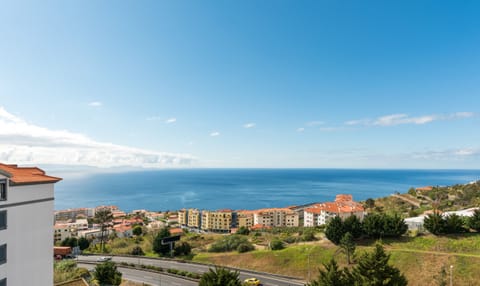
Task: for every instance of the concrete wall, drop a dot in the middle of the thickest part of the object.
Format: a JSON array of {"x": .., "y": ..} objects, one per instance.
[{"x": 28, "y": 236}]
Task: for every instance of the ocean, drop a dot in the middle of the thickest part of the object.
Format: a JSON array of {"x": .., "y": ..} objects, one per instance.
[{"x": 242, "y": 188}]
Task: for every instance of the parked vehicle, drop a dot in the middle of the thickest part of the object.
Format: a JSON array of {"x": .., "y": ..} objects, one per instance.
[
  {"x": 252, "y": 281},
  {"x": 104, "y": 258},
  {"x": 60, "y": 252}
]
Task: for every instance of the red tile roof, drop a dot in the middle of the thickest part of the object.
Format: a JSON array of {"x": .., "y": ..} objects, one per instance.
[
  {"x": 26, "y": 175},
  {"x": 342, "y": 204}
]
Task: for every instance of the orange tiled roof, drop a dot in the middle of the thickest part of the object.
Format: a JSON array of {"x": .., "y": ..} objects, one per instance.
[
  {"x": 260, "y": 226},
  {"x": 27, "y": 175},
  {"x": 175, "y": 231},
  {"x": 122, "y": 228},
  {"x": 339, "y": 206}
]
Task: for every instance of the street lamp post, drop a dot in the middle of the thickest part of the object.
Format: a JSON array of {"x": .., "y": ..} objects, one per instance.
[{"x": 451, "y": 275}]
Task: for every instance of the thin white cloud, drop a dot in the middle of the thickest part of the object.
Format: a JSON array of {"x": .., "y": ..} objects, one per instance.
[
  {"x": 315, "y": 123},
  {"x": 357, "y": 122},
  {"x": 95, "y": 104},
  {"x": 215, "y": 134},
  {"x": 249, "y": 125},
  {"x": 401, "y": 118},
  {"x": 170, "y": 120},
  {"x": 450, "y": 154},
  {"x": 301, "y": 129},
  {"x": 25, "y": 143}
]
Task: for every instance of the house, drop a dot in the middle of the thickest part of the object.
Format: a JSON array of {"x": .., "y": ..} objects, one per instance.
[{"x": 26, "y": 208}]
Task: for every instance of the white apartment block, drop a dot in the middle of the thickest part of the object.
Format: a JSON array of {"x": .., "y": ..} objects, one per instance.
[
  {"x": 343, "y": 206},
  {"x": 26, "y": 208}
]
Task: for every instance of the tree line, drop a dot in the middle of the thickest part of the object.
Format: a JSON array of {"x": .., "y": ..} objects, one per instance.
[{"x": 373, "y": 225}]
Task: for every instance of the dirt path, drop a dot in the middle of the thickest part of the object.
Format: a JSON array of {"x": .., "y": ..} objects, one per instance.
[
  {"x": 410, "y": 201},
  {"x": 432, "y": 252}
]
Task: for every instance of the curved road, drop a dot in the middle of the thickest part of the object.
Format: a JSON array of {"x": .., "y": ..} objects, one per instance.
[
  {"x": 142, "y": 276},
  {"x": 265, "y": 278}
]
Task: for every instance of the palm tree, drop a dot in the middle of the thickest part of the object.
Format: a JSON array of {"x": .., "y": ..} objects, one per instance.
[
  {"x": 220, "y": 277},
  {"x": 103, "y": 217}
]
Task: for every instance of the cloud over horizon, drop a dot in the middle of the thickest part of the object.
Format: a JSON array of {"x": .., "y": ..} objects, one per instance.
[
  {"x": 401, "y": 118},
  {"x": 25, "y": 143}
]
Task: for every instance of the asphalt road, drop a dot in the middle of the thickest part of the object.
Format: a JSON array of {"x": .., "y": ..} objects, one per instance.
[
  {"x": 265, "y": 278},
  {"x": 150, "y": 278}
]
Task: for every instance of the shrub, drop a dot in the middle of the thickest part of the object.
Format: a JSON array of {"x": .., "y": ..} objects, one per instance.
[
  {"x": 245, "y": 247},
  {"x": 230, "y": 243},
  {"x": 137, "y": 250},
  {"x": 276, "y": 244}
]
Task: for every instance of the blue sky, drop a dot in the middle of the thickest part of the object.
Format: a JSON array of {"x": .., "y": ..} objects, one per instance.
[{"x": 159, "y": 84}]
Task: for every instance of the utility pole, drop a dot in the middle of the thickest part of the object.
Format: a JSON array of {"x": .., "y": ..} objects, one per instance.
[{"x": 451, "y": 275}]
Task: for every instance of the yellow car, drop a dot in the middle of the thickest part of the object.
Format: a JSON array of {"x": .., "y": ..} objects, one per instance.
[{"x": 252, "y": 281}]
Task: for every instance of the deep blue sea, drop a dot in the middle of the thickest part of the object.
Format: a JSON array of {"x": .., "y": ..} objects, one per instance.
[{"x": 242, "y": 188}]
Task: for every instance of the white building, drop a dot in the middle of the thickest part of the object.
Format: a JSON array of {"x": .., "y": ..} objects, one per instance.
[
  {"x": 416, "y": 223},
  {"x": 67, "y": 230},
  {"x": 26, "y": 208},
  {"x": 343, "y": 207}
]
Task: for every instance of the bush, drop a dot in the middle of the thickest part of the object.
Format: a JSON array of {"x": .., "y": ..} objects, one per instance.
[
  {"x": 243, "y": 231},
  {"x": 245, "y": 247},
  {"x": 230, "y": 243},
  {"x": 182, "y": 248},
  {"x": 276, "y": 244},
  {"x": 137, "y": 250},
  {"x": 308, "y": 234},
  {"x": 289, "y": 239}
]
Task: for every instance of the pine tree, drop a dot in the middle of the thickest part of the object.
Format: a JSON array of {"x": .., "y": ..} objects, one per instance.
[
  {"x": 353, "y": 225},
  {"x": 332, "y": 276},
  {"x": 434, "y": 223},
  {"x": 373, "y": 270},
  {"x": 348, "y": 246},
  {"x": 474, "y": 221},
  {"x": 158, "y": 247},
  {"x": 335, "y": 230}
]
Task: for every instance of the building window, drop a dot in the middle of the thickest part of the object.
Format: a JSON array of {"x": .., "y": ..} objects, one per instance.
[
  {"x": 3, "y": 221},
  {"x": 3, "y": 254},
  {"x": 3, "y": 190},
  {"x": 3, "y": 282}
]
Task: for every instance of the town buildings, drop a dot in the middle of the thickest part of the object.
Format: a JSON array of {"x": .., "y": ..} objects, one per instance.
[
  {"x": 343, "y": 206},
  {"x": 217, "y": 221},
  {"x": 72, "y": 214},
  {"x": 226, "y": 220},
  {"x": 26, "y": 199}
]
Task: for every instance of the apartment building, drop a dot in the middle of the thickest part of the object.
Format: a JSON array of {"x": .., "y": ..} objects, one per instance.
[
  {"x": 67, "y": 230},
  {"x": 182, "y": 217},
  {"x": 26, "y": 199},
  {"x": 275, "y": 217},
  {"x": 343, "y": 206},
  {"x": 72, "y": 214},
  {"x": 194, "y": 218},
  {"x": 245, "y": 219},
  {"x": 217, "y": 221}
]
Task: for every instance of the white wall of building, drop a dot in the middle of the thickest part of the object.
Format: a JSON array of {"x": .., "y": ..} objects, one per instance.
[{"x": 28, "y": 236}]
